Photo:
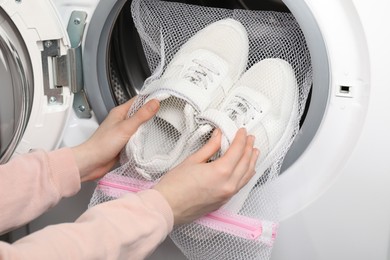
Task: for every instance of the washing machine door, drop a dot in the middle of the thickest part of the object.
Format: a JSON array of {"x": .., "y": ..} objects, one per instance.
[
  {"x": 16, "y": 89},
  {"x": 36, "y": 77}
]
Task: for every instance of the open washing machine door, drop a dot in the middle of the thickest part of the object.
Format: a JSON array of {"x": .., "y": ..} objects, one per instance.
[{"x": 39, "y": 72}]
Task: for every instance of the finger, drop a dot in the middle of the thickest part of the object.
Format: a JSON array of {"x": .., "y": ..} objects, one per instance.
[
  {"x": 251, "y": 170},
  {"x": 123, "y": 109},
  {"x": 209, "y": 149},
  {"x": 126, "y": 106},
  {"x": 236, "y": 150},
  {"x": 146, "y": 112},
  {"x": 243, "y": 164}
]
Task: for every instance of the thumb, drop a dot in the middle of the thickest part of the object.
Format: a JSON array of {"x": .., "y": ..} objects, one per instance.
[
  {"x": 146, "y": 112},
  {"x": 209, "y": 149}
]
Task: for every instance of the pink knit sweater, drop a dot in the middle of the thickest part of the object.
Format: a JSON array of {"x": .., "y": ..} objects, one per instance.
[{"x": 127, "y": 228}]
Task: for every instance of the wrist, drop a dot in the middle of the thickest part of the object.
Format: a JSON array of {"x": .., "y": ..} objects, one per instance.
[{"x": 81, "y": 161}]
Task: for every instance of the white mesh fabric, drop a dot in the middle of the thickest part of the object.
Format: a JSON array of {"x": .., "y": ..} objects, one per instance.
[{"x": 246, "y": 227}]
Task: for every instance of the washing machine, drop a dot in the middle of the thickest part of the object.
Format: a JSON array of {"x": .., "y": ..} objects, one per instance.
[{"x": 64, "y": 64}]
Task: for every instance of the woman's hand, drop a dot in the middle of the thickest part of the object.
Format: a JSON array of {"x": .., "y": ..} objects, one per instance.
[
  {"x": 99, "y": 154},
  {"x": 195, "y": 187}
]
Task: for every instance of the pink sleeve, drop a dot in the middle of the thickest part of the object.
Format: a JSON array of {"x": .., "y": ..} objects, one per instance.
[
  {"x": 127, "y": 228},
  {"x": 32, "y": 183}
]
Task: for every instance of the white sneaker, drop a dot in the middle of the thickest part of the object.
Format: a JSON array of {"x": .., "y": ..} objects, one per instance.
[
  {"x": 198, "y": 78},
  {"x": 265, "y": 102}
]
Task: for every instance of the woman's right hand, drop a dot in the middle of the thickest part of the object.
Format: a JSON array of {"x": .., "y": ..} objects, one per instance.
[{"x": 195, "y": 187}]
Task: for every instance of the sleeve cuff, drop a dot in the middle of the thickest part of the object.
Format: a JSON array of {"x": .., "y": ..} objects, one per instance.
[{"x": 153, "y": 199}]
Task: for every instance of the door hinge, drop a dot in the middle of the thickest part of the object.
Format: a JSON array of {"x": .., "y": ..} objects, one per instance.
[{"x": 67, "y": 69}]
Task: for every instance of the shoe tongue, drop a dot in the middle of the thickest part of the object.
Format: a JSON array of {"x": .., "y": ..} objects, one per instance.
[
  {"x": 207, "y": 62},
  {"x": 172, "y": 110},
  {"x": 173, "y": 114}
]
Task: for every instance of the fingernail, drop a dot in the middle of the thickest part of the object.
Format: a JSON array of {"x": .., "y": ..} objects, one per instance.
[
  {"x": 216, "y": 132},
  {"x": 257, "y": 152},
  {"x": 243, "y": 129},
  {"x": 153, "y": 105}
]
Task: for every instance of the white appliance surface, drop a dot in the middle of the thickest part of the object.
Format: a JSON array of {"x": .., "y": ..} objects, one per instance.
[
  {"x": 335, "y": 197},
  {"x": 349, "y": 218}
]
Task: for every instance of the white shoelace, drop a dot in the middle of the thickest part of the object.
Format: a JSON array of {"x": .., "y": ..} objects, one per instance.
[
  {"x": 201, "y": 73},
  {"x": 241, "y": 111}
]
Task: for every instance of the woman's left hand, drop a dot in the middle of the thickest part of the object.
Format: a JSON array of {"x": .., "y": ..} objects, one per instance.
[{"x": 98, "y": 154}]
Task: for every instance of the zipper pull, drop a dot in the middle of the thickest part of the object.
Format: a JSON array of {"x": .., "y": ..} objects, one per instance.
[{"x": 268, "y": 233}]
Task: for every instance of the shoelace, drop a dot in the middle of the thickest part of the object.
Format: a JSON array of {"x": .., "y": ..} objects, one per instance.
[
  {"x": 201, "y": 73},
  {"x": 241, "y": 111}
]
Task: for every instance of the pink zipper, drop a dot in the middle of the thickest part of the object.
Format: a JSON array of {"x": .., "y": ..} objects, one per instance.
[
  {"x": 237, "y": 225},
  {"x": 241, "y": 226},
  {"x": 119, "y": 186},
  {"x": 110, "y": 186},
  {"x": 253, "y": 231}
]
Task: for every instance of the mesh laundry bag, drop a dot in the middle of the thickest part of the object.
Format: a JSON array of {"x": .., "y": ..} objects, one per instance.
[{"x": 213, "y": 68}]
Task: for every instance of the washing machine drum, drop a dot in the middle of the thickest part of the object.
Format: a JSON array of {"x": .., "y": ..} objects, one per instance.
[
  {"x": 127, "y": 63},
  {"x": 16, "y": 88}
]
